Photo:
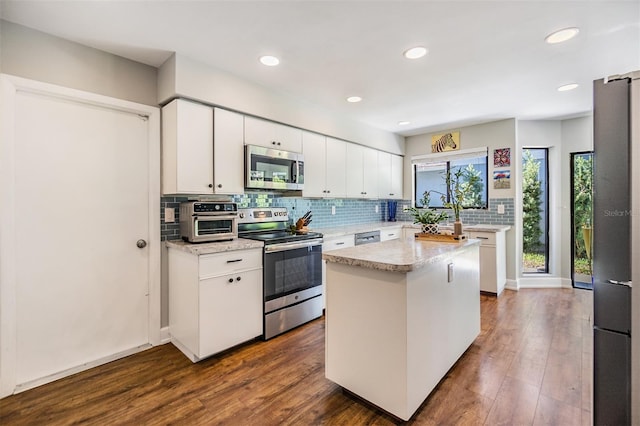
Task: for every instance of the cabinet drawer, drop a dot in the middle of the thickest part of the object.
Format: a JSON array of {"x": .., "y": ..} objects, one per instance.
[
  {"x": 212, "y": 265},
  {"x": 390, "y": 234},
  {"x": 486, "y": 238},
  {"x": 338, "y": 243}
]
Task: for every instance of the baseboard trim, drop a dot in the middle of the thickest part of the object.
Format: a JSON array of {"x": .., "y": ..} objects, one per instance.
[
  {"x": 165, "y": 336},
  {"x": 543, "y": 282},
  {"x": 512, "y": 285},
  {"x": 53, "y": 377}
]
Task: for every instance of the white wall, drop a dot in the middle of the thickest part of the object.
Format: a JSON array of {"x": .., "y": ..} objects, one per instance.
[
  {"x": 39, "y": 56},
  {"x": 497, "y": 134},
  {"x": 181, "y": 76}
]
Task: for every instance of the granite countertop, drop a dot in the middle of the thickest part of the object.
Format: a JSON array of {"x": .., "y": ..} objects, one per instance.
[
  {"x": 215, "y": 247},
  {"x": 339, "y": 231},
  {"x": 400, "y": 255}
]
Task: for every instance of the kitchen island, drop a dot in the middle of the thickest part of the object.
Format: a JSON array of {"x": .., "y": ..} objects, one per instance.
[{"x": 399, "y": 314}]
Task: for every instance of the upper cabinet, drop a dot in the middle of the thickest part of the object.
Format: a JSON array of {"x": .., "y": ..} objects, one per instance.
[
  {"x": 228, "y": 149},
  {"x": 202, "y": 149},
  {"x": 272, "y": 135},
  {"x": 187, "y": 148},
  {"x": 389, "y": 175},
  {"x": 324, "y": 166},
  {"x": 362, "y": 172}
]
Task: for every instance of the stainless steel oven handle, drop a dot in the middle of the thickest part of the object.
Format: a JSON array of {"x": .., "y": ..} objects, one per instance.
[{"x": 292, "y": 246}]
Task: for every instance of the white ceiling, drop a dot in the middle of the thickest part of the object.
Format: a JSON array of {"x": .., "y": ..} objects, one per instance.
[{"x": 487, "y": 59}]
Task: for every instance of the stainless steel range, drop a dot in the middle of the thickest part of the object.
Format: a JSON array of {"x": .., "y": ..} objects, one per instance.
[{"x": 292, "y": 268}]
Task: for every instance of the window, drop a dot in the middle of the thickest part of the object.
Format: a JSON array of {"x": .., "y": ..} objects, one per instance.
[
  {"x": 535, "y": 210},
  {"x": 429, "y": 171}
]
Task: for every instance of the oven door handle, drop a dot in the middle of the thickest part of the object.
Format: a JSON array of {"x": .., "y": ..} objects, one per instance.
[
  {"x": 275, "y": 248},
  {"x": 213, "y": 217}
]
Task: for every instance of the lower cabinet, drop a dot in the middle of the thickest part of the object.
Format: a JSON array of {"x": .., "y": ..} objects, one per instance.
[
  {"x": 215, "y": 300},
  {"x": 333, "y": 243},
  {"x": 387, "y": 234},
  {"x": 493, "y": 267}
]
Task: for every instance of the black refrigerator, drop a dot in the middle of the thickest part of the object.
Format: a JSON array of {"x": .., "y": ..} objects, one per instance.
[{"x": 612, "y": 256}]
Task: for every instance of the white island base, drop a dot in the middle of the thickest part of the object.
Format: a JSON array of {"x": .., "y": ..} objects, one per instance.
[{"x": 392, "y": 336}]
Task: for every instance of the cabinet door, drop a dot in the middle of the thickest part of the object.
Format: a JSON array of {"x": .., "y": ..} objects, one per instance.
[
  {"x": 488, "y": 279},
  {"x": 272, "y": 135},
  {"x": 336, "y": 160},
  {"x": 230, "y": 309},
  {"x": 354, "y": 171},
  {"x": 289, "y": 138},
  {"x": 187, "y": 134},
  {"x": 370, "y": 173},
  {"x": 259, "y": 132},
  {"x": 384, "y": 174},
  {"x": 314, "y": 150},
  {"x": 397, "y": 177},
  {"x": 228, "y": 145}
]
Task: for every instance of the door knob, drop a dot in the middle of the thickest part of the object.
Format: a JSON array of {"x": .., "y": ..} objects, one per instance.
[{"x": 141, "y": 243}]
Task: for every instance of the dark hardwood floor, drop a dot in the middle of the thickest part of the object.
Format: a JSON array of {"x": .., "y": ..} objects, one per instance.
[{"x": 531, "y": 365}]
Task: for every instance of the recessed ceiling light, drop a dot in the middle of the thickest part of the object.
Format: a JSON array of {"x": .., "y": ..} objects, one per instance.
[
  {"x": 270, "y": 61},
  {"x": 566, "y": 87},
  {"x": 415, "y": 52},
  {"x": 353, "y": 99},
  {"x": 403, "y": 123},
  {"x": 561, "y": 35}
]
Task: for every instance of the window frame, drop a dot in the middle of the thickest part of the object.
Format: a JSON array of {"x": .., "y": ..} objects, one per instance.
[{"x": 448, "y": 158}]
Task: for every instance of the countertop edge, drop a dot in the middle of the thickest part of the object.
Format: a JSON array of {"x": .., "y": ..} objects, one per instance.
[
  {"x": 338, "y": 256},
  {"x": 340, "y": 231},
  {"x": 214, "y": 247}
]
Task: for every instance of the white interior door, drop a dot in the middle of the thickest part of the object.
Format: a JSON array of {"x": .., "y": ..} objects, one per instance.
[{"x": 81, "y": 201}]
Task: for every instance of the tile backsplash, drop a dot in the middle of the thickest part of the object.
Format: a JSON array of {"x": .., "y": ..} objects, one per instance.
[{"x": 347, "y": 211}]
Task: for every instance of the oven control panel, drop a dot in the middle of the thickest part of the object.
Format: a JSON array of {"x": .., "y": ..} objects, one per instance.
[
  {"x": 271, "y": 214},
  {"x": 213, "y": 207}
]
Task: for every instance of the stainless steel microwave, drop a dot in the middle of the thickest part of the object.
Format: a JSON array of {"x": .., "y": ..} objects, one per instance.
[
  {"x": 206, "y": 221},
  {"x": 273, "y": 169}
]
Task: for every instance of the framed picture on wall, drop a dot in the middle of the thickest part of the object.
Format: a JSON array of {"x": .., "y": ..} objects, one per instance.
[
  {"x": 445, "y": 142},
  {"x": 502, "y": 157},
  {"x": 501, "y": 179}
]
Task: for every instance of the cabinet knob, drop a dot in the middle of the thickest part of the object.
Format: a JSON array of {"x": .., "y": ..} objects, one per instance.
[
  {"x": 328, "y": 191},
  {"x": 273, "y": 142},
  {"x": 238, "y": 279},
  {"x": 210, "y": 185},
  {"x": 219, "y": 185},
  {"x": 230, "y": 280}
]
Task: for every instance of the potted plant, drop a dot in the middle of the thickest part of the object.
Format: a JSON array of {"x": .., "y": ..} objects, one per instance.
[
  {"x": 428, "y": 218},
  {"x": 460, "y": 186}
]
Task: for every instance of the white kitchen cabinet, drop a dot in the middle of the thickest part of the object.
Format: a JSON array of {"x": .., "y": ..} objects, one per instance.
[
  {"x": 228, "y": 152},
  {"x": 202, "y": 149},
  {"x": 324, "y": 166},
  {"x": 493, "y": 266},
  {"x": 362, "y": 170},
  {"x": 333, "y": 243},
  {"x": 397, "y": 177},
  {"x": 215, "y": 300},
  {"x": 410, "y": 231},
  {"x": 187, "y": 148},
  {"x": 387, "y": 234},
  {"x": 272, "y": 135},
  {"x": 389, "y": 176}
]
